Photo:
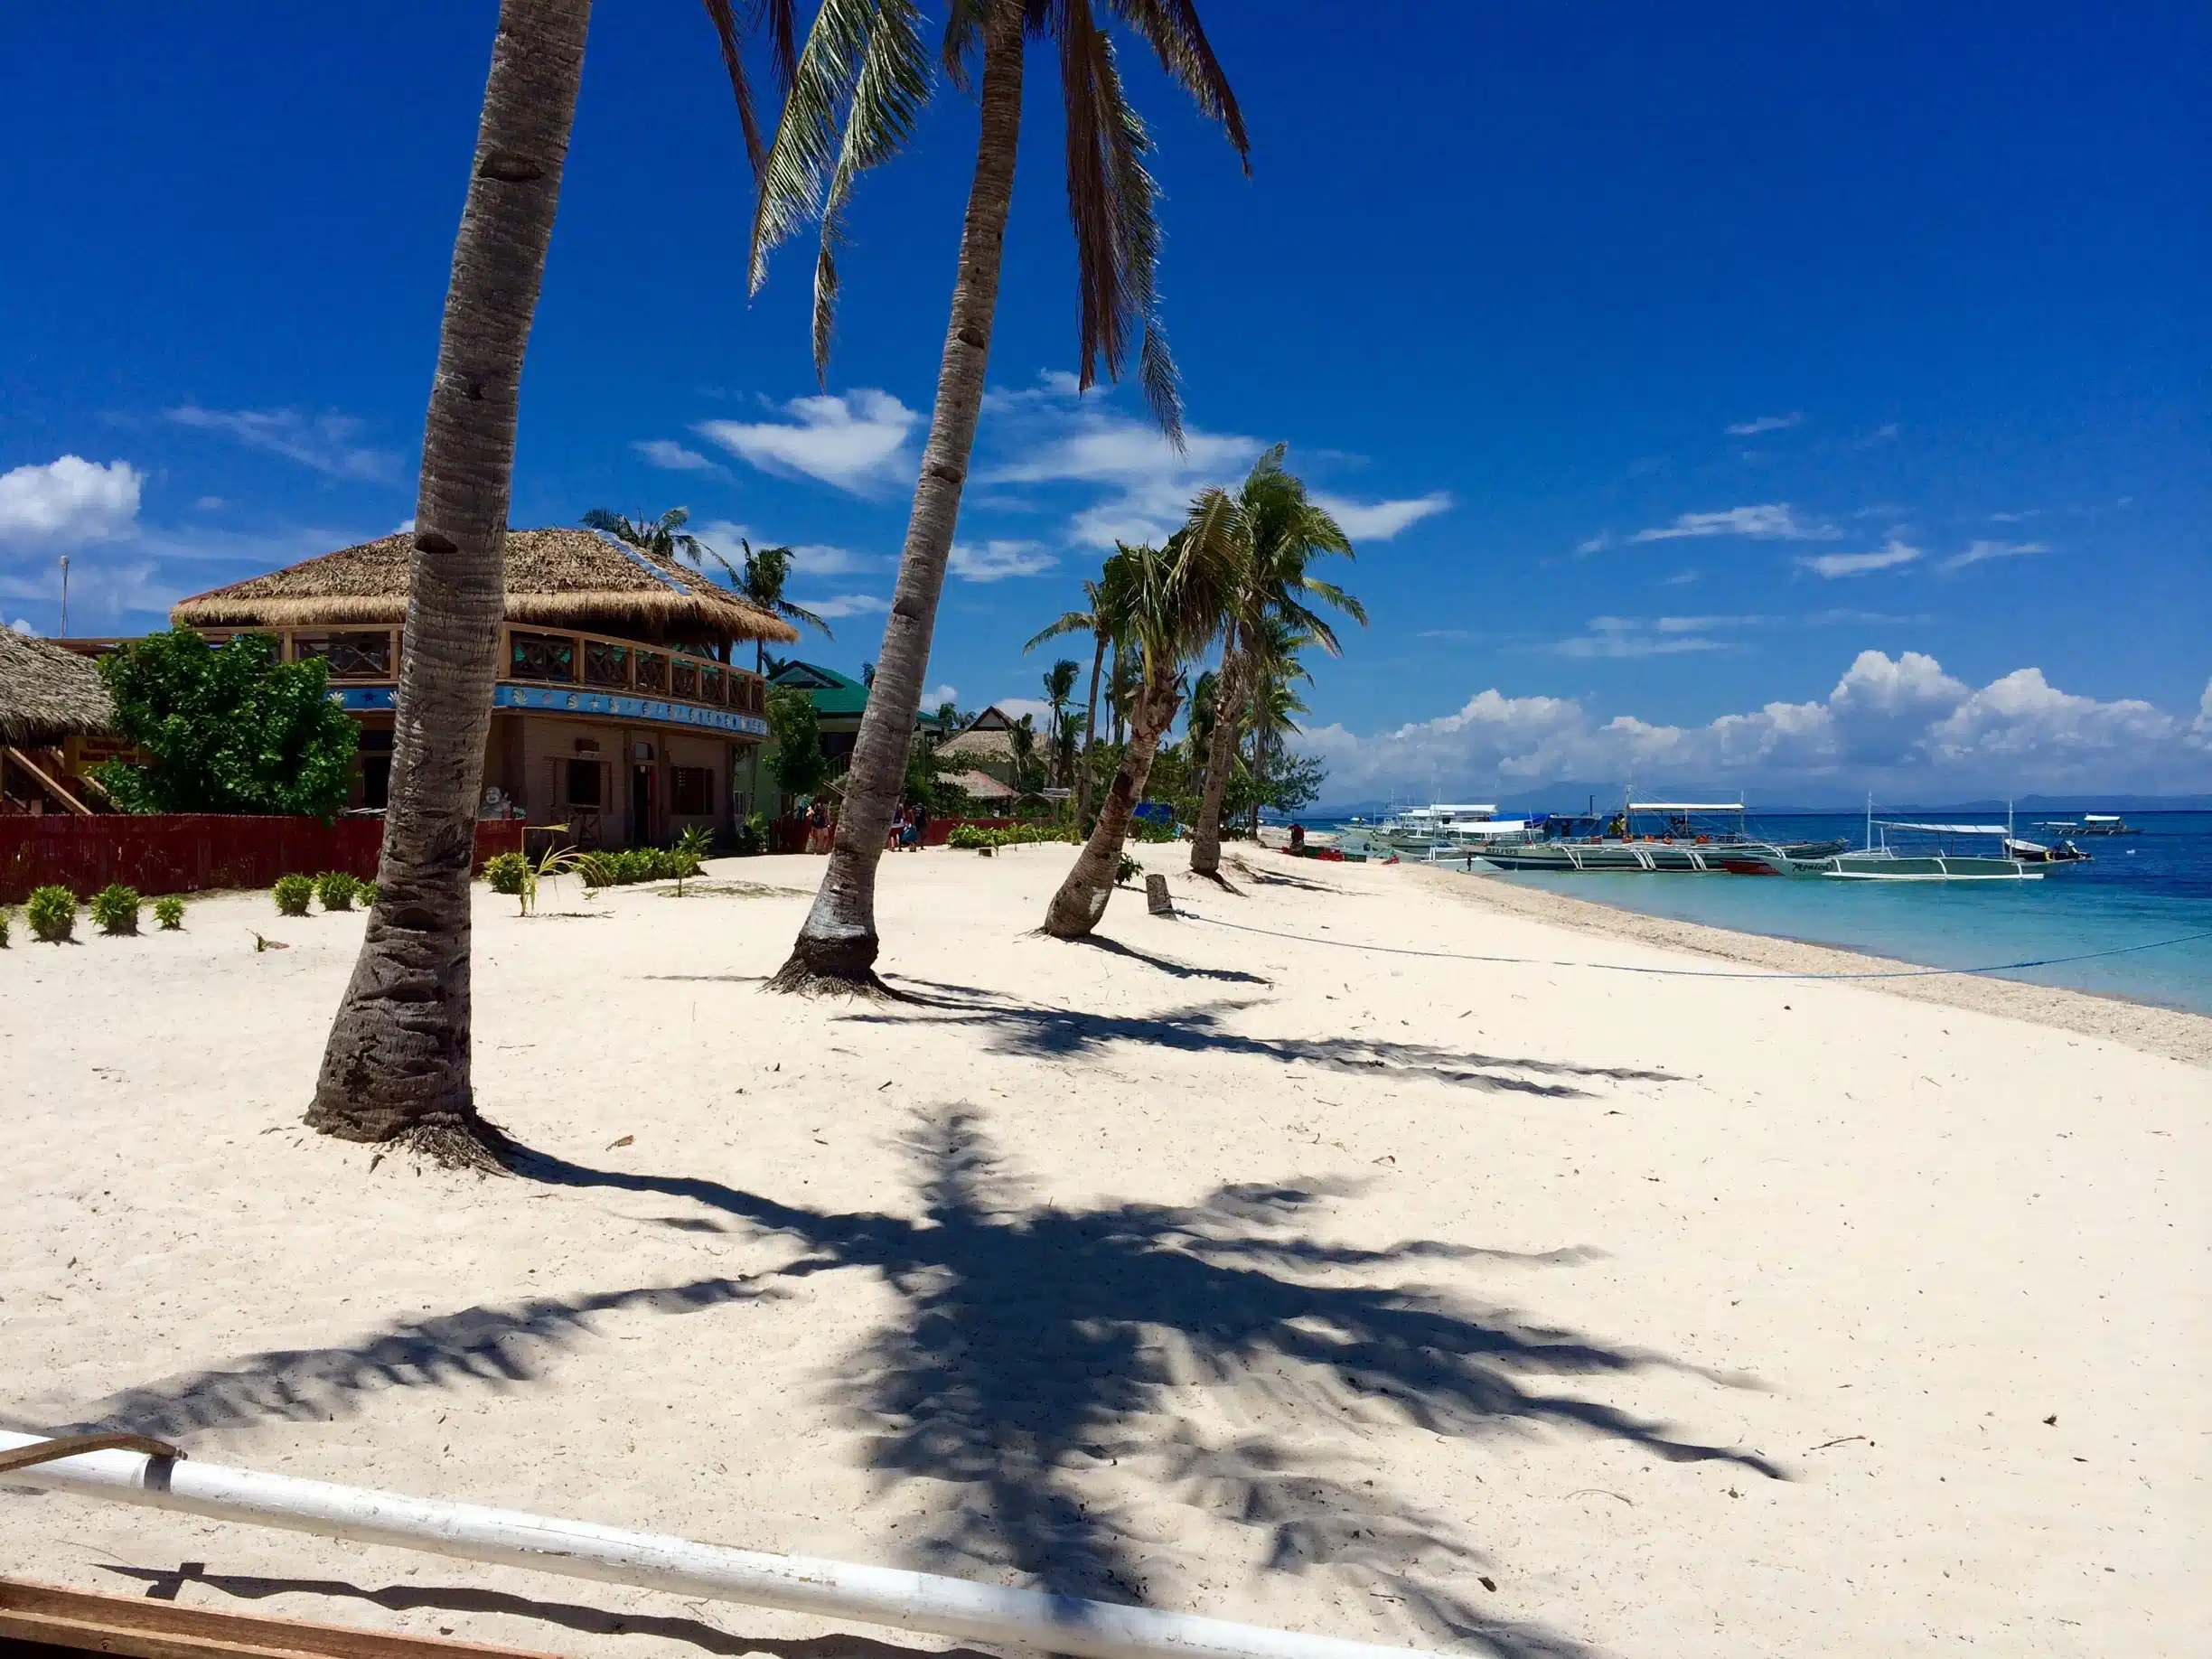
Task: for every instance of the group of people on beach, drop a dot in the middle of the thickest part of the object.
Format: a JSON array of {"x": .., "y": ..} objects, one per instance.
[{"x": 909, "y": 829}]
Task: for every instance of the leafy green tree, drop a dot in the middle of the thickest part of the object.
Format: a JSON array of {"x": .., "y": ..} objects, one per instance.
[
  {"x": 760, "y": 581},
  {"x": 1107, "y": 624},
  {"x": 665, "y": 535},
  {"x": 1059, "y": 691},
  {"x": 862, "y": 80},
  {"x": 226, "y": 729},
  {"x": 799, "y": 766}
]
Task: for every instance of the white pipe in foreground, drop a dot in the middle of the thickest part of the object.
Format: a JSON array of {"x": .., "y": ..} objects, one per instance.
[{"x": 797, "y": 1584}]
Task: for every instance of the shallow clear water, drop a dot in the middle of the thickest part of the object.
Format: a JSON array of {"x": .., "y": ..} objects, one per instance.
[{"x": 2135, "y": 890}]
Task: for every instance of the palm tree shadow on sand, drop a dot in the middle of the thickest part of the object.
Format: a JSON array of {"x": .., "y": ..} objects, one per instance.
[{"x": 1037, "y": 1345}]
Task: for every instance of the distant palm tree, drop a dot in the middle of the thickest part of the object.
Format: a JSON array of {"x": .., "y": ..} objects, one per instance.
[
  {"x": 760, "y": 582},
  {"x": 664, "y": 536},
  {"x": 1059, "y": 691},
  {"x": 1180, "y": 595},
  {"x": 1270, "y": 529},
  {"x": 1105, "y": 621},
  {"x": 396, "y": 1066},
  {"x": 862, "y": 80}
]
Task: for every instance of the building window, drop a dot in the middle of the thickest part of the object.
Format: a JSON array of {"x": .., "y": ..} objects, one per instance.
[
  {"x": 541, "y": 656},
  {"x": 346, "y": 656},
  {"x": 584, "y": 784},
  {"x": 691, "y": 790},
  {"x": 606, "y": 663},
  {"x": 652, "y": 671}
]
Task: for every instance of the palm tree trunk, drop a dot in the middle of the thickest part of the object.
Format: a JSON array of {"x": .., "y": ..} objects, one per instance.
[
  {"x": 1076, "y": 908},
  {"x": 1206, "y": 841},
  {"x": 397, "y": 1063},
  {"x": 837, "y": 948},
  {"x": 1083, "y": 777}
]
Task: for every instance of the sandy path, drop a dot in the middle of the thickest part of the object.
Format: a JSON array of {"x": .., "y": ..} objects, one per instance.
[{"x": 1249, "y": 1275}]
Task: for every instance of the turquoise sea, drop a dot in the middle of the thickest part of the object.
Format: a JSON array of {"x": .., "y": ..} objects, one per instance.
[{"x": 2135, "y": 890}]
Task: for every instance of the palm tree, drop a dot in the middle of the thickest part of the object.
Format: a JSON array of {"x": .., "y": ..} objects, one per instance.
[
  {"x": 664, "y": 536},
  {"x": 396, "y": 1066},
  {"x": 1270, "y": 529},
  {"x": 862, "y": 79},
  {"x": 1179, "y": 596},
  {"x": 761, "y": 584},
  {"x": 1059, "y": 691},
  {"x": 1105, "y": 621}
]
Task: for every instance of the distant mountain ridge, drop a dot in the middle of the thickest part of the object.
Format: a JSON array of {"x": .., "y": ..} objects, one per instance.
[{"x": 1579, "y": 797}]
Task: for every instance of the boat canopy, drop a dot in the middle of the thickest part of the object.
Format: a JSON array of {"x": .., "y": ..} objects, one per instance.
[
  {"x": 1686, "y": 806},
  {"x": 1465, "y": 812},
  {"x": 1891, "y": 823},
  {"x": 2100, "y": 818}
]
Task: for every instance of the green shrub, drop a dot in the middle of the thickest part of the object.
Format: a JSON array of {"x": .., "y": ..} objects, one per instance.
[
  {"x": 1144, "y": 830},
  {"x": 292, "y": 893},
  {"x": 509, "y": 873},
  {"x": 338, "y": 889},
  {"x": 1127, "y": 870},
  {"x": 169, "y": 911},
  {"x": 51, "y": 914},
  {"x": 752, "y": 838},
  {"x": 114, "y": 909},
  {"x": 3, "y": 930},
  {"x": 975, "y": 837}
]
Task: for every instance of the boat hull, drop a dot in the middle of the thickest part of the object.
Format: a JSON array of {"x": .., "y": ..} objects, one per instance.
[{"x": 1934, "y": 867}]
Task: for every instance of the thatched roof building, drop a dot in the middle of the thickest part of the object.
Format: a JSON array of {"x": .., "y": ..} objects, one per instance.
[
  {"x": 563, "y": 578},
  {"x": 48, "y": 694},
  {"x": 989, "y": 739}
]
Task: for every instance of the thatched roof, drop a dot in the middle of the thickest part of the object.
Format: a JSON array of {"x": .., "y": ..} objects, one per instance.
[
  {"x": 47, "y": 693},
  {"x": 562, "y": 578},
  {"x": 989, "y": 737},
  {"x": 980, "y": 786}
]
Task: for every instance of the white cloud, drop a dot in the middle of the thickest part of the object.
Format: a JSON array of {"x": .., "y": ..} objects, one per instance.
[
  {"x": 1897, "y": 726},
  {"x": 1681, "y": 578},
  {"x": 672, "y": 456},
  {"x": 1595, "y": 544},
  {"x": 1380, "y": 520},
  {"x": 1765, "y": 423},
  {"x": 857, "y": 443},
  {"x": 2016, "y": 517},
  {"x": 1981, "y": 551},
  {"x": 845, "y": 604},
  {"x": 932, "y": 700},
  {"x": 810, "y": 560},
  {"x": 1888, "y": 558},
  {"x": 112, "y": 592},
  {"x": 1014, "y": 708},
  {"x": 1770, "y": 522},
  {"x": 23, "y": 627},
  {"x": 324, "y": 441},
  {"x": 1045, "y": 435},
  {"x": 70, "y": 500},
  {"x": 994, "y": 561},
  {"x": 1656, "y": 636},
  {"x": 209, "y": 503}
]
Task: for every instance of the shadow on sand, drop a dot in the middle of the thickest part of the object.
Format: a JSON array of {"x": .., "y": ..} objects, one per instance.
[{"x": 1034, "y": 1346}]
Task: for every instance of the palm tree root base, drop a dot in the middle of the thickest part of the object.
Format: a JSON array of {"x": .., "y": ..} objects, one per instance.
[
  {"x": 451, "y": 1140},
  {"x": 832, "y": 967}
]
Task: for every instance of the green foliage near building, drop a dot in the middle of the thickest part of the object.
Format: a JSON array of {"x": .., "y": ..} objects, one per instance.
[
  {"x": 51, "y": 915},
  {"x": 115, "y": 908},
  {"x": 799, "y": 765},
  {"x": 226, "y": 729}
]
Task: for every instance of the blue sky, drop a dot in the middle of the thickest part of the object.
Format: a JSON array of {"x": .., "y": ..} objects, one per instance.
[{"x": 1807, "y": 400}]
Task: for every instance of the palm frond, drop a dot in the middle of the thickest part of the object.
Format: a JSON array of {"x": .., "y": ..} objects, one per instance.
[
  {"x": 888, "y": 93},
  {"x": 799, "y": 614},
  {"x": 778, "y": 15},
  {"x": 1068, "y": 621},
  {"x": 1172, "y": 29}
]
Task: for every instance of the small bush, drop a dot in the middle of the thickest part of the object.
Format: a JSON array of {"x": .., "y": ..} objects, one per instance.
[
  {"x": 51, "y": 914},
  {"x": 1126, "y": 871},
  {"x": 292, "y": 893},
  {"x": 752, "y": 838},
  {"x": 169, "y": 911},
  {"x": 1144, "y": 830},
  {"x": 975, "y": 837},
  {"x": 337, "y": 889},
  {"x": 114, "y": 909},
  {"x": 508, "y": 873},
  {"x": 3, "y": 930}
]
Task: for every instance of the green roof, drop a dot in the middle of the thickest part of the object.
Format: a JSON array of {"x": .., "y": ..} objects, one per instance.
[{"x": 833, "y": 693}]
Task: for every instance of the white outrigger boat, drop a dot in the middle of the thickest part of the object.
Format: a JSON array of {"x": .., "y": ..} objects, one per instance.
[
  {"x": 1694, "y": 838},
  {"x": 1930, "y": 854}
]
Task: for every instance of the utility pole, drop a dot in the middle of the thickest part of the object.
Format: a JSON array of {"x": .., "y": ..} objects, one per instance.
[{"x": 65, "y": 595}]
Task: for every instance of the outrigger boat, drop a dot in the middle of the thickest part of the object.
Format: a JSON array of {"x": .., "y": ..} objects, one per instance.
[
  {"x": 1929, "y": 854},
  {"x": 1692, "y": 837},
  {"x": 2092, "y": 823}
]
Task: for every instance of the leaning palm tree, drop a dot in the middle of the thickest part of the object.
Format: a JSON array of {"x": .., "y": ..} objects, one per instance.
[
  {"x": 1181, "y": 594},
  {"x": 1272, "y": 529},
  {"x": 396, "y": 1067},
  {"x": 862, "y": 79}
]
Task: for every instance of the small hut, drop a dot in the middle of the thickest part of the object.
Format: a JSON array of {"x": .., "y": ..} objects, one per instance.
[
  {"x": 986, "y": 744},
  {"x": 619, "y": 710},
  {"x": 53, "y": 704}
]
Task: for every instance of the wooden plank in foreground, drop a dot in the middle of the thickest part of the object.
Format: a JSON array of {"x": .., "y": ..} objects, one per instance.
[{"x": 88, "y": 1622}]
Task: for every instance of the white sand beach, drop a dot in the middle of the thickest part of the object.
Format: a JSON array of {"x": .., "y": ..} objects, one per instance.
[{"x": 1472, "y": 1307}]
